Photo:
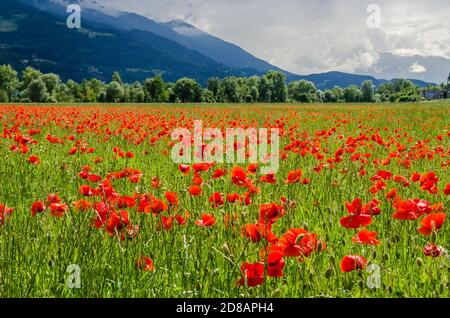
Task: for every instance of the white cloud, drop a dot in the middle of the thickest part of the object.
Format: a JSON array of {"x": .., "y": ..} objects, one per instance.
[
  {"x": 417, "y": 68},
  {"x": 305, "y": 36}
]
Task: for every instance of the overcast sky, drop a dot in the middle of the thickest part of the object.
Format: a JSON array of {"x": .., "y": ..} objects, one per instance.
[{"x": 305, "y": 36}]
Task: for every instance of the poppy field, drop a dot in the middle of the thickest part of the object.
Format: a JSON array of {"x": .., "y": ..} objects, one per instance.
[{"x": 92, "y": 204}]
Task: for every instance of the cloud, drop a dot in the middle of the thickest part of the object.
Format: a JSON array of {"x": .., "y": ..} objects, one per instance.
[
  {"x": 417, "y": 68},
  {"x": 305, "y": 36}
]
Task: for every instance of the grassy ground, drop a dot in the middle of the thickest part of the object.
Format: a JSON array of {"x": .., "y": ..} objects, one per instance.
[{"x": 193, "y": 261}]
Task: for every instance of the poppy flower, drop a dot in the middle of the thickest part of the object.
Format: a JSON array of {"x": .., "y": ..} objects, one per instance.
[
  {"x": 275, "y": 261},
  {"x": 82, "y": 205},
  {"x": 218, "y": 173},
  {"x": 294, "y": 176},
  {"x": 268, "y": 178},
  {"x": 155, "y": 182},
  {"x": 256, "y": 232},
  {"x": 184, "y": 169},
  {"x": 233, "y": 197},
  {"x": 34, "y": 160},
  {"x": 129, "y": 154},
  {"x": 167, "y": 222},
  {"x": 125, "y": 202},
  {"x": 37, "y": 207},
  {"x": 156, "y": 206},
  {"x": 201, "y": 167},
  {"x": 206, "y": 221},
  {"x": 116, "y": 222},
  {"x": 269, "y": 213},
  {"x": 366, "y": 237},
  {"x": 94, "y": 178},
  {"x": 252, "y": 274},
  {"x": 238, "y": 176},
  {"x": 300, "y": 243},
  {"x": 432, "y": 222},
  {"x": 172, "y": 198},
  {"x": 216, "y": 200},
  {"x": 53, "y": 198},
  {"x": 146, "y": 264},
  {"x": 5, "y": 212},
  {"x": 432, "y": 250},
  {"x": 87, "y": 191},
  {"x": 58, "y": 209},
  {"x": 447, "y": 189},
  {"x": 252, "y": 168},
  {"x": 195, "y": 190},
  {"x": 353, "y": 262},
  {"x": 410, "y": 209}
]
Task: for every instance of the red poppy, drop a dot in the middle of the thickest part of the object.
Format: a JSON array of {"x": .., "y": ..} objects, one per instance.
[
  {"x": 300, "y": 243},
  {"x": 382, "y": 175},
  {"x": 37, "y": 207},
  {"x": 447, "y": 189},
  {"x": 238, "y": 176},
  {"x": 116, "y": 222},
  {"x": 216, "y": 200},
  {"x": 53, "y": 198},
  {"x": 172, "y": 198},
  {"x": 58, "y": 209},
  {"x": 233, "y": 197},
  {"x": 82, "y": 205},
  {"x": 195, "y": 190},
  {"x": 269, "y": 213},
  {"x": 275, "y": 261},
  {"x": 432, "y": 222},
  {"x": 356, "y": 221},
  {"x": 432, "y": 250},
  {"x": 252, "y": 168},
  {"x": 218, "y": 173},
  {"x": 184, "y": 169},
  {"x": 268, "y": 178},
  {"x": 294, "y": 176},
  {"x": 125, "y": 202},
  {"x": 4, "y": 213},
  {"x": 256, "y": 232},
  {"x": 146, "y": 264},
  {"x": 206, "y": 221},
  {"x": 129, "y": 154},
  {"x": 34, "y": 160},
  {"x": 366, "y": 237},
  {"x": 87, "y": 191},
  {"x": 156, "y": 206},
  {"x": 252, "y": 274},
  {"x": 410, "y": 209},
  {"x": 200, "y": 167},
  {"x": 352, "y": 263}
]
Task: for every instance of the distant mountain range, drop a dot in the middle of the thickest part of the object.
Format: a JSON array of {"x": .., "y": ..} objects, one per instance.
[{"x": 34, "y": 33}]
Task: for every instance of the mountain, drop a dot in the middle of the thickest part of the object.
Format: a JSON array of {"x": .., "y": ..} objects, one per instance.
[
  {"x": 328, "y": 80},
  {"x": 179, "y": 31},
  {"x": 33, "y": 33},
  {"x": 30, "y": 37}
]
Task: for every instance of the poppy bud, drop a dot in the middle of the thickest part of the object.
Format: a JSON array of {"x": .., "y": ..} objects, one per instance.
[
  {"x": 305, "y": 226},
  {"x": 434, "y": 237},
  {"x": 419, "y": 261}
]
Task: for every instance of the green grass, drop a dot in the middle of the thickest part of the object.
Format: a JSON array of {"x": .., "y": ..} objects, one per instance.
[{"x": 204, "y": 262}]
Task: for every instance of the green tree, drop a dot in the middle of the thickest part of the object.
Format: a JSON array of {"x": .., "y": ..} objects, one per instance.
[
  {"x": 117, "y": 78},
  {"x": 302, "y": 91},
  {"x": 278, "y": 79},
  {"x": 36, "y": 91},
  {"x": 8, "y": 82},
  {"x": 329, "y": 97},
  {"x": 265, "y": 88},
  {"x": 352, "y": 94},
  {"x": 187, "y": 90},
  {"x": 51, "y": 82},
  {"x": 155, "y": 89},
  {"x": 28, "y": 75},
  {"x": 137, "y": 94},
  {"x": 229, "y": 90},
  {"x": 368, "y": 92},
  {"x": 214, "y": 86},
  {"x": 114, "y": 92}
]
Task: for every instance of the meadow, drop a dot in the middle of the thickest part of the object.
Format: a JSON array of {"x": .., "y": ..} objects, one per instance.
[{"x": 92, "y": 205}]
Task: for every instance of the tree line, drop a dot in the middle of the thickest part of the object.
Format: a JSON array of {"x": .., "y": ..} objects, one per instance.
[{"x": 34, "y": 86}]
